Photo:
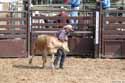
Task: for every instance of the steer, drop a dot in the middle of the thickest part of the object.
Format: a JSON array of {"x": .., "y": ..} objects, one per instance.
[{"x": 48, "y": 45}]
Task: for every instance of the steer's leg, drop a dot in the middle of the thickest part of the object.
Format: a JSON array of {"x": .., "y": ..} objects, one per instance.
[
  {"x": 52, "y": 61},
  {"x": 30, "y": 60},
  {"x": 44, "y": 58},
  {"x": 31, "y": 57}
]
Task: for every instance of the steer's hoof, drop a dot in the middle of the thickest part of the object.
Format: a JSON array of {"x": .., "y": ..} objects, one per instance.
[
  {"x": 42, "y": 67},
  {"x": 30, "y": 61}
]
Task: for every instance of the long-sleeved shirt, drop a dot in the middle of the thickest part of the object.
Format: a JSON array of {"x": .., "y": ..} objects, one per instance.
[
  {"x": 106, "y": 4},
  {"x": 74, "y": 3},
  {"x": 62, "y": 35}
]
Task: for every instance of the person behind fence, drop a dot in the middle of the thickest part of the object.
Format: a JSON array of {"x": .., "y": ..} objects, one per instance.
[
  {"x": 63, "y": 14},
  {"x": 65, "y": 1},
  {"x": 75, "y": 5},
  {"x": 105, "y": 6},
  {"x": 62, "y": 35}
]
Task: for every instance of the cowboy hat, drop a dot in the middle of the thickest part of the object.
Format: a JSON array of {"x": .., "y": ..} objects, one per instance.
[{"x": 68, "y": 27}]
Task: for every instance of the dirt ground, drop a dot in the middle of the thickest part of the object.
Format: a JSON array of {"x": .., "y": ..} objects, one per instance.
[{"x": 77, "y": 70}]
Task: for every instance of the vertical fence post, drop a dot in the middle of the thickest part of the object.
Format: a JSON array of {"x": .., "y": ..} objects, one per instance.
[
  {"x": 100, "y": 29},
  {"x": 97, "y": 35},
  {"x": 29, "y": 29},
  {"x": 97, "y": 14}
]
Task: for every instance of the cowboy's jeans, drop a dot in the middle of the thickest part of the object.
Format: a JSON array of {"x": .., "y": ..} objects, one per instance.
[{"x": 60, "y": 55}]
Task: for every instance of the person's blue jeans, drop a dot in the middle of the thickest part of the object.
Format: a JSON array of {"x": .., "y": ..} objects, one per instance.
[
  {"x": 60, "y": 55},
  {"x": 107, "y": 14},
  {"x": 74, "y": 22}
]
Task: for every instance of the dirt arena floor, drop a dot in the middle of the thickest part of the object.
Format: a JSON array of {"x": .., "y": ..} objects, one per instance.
[{"x": 77, "y": 70}]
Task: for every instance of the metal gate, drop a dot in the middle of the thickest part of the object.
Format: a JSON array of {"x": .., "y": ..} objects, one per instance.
[
  {"x": 13, "y": 34},
  {"x": 81, "y": 41},
  {"x": 113, "y": 34}
]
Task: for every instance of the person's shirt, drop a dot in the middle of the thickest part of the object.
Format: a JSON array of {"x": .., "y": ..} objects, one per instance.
[
  {"x": 64, "y": 20},
  {"x": 74, "y": 3},
  {"x": 65, "y": 1},
  {"x": 62, "y": 35},
  {"x": 106, "y": 4},
  {"x": 63, "y": 13}
]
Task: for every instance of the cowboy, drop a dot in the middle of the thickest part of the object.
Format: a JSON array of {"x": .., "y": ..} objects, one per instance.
[{"x": 62, "y": 35}]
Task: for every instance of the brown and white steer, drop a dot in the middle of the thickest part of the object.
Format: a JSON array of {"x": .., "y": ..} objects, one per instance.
[{"x": 48, "y": 44}]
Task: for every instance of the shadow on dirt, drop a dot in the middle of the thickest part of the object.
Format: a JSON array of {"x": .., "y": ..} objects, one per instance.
[{"x": 27, "y": 67}]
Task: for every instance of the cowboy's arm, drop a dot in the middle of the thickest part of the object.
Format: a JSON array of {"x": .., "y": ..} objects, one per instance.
[{"x": 63, "y": 36}]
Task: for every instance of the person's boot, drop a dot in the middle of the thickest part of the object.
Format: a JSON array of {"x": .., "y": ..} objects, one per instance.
[{"x": 61, "y": 66}]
